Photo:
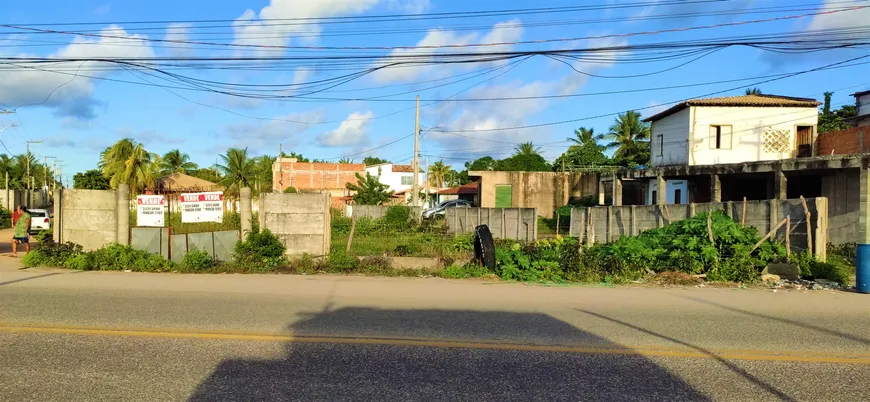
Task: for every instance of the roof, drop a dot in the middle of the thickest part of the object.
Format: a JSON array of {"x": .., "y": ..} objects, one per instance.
[
  {"x": 861, "y": 93},
  {"x": 469, "y": 188},
  {"x": 182, "y": 181},
  {"x": 737, "y": 101},
  {"x": 403, "y": 168}
]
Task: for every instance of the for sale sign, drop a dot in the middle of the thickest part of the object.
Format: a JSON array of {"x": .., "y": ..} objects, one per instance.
[
  {"x": 149, "y": 210},
  {"x": 202, "y": 207}
]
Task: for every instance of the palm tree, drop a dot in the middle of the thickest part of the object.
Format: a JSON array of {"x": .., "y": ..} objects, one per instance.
[
  {"x": 753, "y": 91},
  {"x": 438, "y": 172},
  {"x": 629, "y": 137},
  {"x": 345, "y": 160},
  {"x": 263, "y": 173},
  {"x": 583, "y": 136},
  {"x": 177, "y": 162},
  {"x": 128, "y": 162},
  {"x": 237, "y": 169},
  {"x": 527, "y": 148}
]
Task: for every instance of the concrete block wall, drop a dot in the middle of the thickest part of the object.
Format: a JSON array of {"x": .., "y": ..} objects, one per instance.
[
  {"x": 504, "y": 223},
  {"x": 88, "y": 217},
  {"x": 301, "y": 221},
  {"x": 843, "y": 142},
  {"x": 378, "y": 211},
  {"x": 609, "y": 223}
]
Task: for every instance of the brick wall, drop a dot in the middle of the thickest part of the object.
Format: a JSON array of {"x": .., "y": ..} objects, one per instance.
[
  {"x": 315, "y": 176},
  {"x": 843, "y": 142}
]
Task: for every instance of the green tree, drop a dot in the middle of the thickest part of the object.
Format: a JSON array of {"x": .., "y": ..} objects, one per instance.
[
  {"x": 753, "y": 91},
  {"x": 237, "y": 171},
  {"x": 527, "y": 148},
  {"x": 438, "y": 173},
  {"x": 373, "y": 160},
  {"x": 91, "y": 180},
  {"x": 207, "y": 174},
  {"x": 298, "y": 157},
  {"x": 586, "y": 155},
  {"x": 345, "y": 160},
  {"x": 629, "y": 139},
  {"x": 583, "y": 136},
  {"x": 369, "y": 190},
  {"x": 523, "y": 163},
  {"x": 263, "y": 173},
  {"x": 834, "y": 120},
  {"x": 128, "y": 162},
  {"x": 176, "y": 161}
]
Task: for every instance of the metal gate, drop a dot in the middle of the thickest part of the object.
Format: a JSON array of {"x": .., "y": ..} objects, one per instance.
[
  {"x": 219, "y": 245},
  {"x": 152, "y": 240}
]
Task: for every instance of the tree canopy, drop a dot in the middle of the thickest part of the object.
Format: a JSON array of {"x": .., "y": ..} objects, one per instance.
[
  {"x": 369, "y": 190},
  {"x": 91, "y": 180},
  {"x": 373, "y": 160},
  {"x": 628, "y": 137},
  {"x": 176, "y": 161},
  {"x": 834, "y": 120}
]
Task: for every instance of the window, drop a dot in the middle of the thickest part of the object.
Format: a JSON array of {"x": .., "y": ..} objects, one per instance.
[
  {"x": 661, "y": 140},
  {"x": 678, "y": 195},
  {"x": 720, "y": 137},
  {"x": 654, "y": 199},
  {"x": 503, "y": 196},
  {"x": 407, "y": 180}
]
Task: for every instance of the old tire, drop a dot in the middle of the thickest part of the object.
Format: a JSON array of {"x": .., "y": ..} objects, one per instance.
[{"x": 484, "y": 248}]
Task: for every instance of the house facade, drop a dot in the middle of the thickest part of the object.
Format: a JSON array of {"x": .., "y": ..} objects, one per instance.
[
  {"x": 728, "y": 130},
  {"x": 400, "y": 178},
  {"x": 862, "y": 108}
]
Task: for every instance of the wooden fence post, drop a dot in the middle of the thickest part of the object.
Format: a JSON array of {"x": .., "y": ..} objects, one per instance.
[
  {"x": 743, "y": 217},
  {"x": 809, "y": 226},
  {"x": 787, "y": 240},
  {"x": 770, "y": 233},
  {"x": 350, "y": 236}
]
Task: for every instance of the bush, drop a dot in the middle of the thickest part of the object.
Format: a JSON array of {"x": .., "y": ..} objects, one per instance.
[
  {"x": 117, "y": 257},
  {"x": 5, "y": 218},
  {"x": 463, "y": 242},
  {"x": 197, "y": 260},
  {"x": 260, "y": 251},
  {"x": 835, "y": 272},
  {"x": 375, "y": 264},
  {"x": 397, "y": 217},
  {"x": 53, "y": 254},
  {"x": 340, "y": 262},
  {"x": 845, "y": 250},
  {"x": 80, "y": 262},
  {"x": 45, "y": 236},
  {"x": 290, "y": 190},
  {"x": 35, "y": 258}
]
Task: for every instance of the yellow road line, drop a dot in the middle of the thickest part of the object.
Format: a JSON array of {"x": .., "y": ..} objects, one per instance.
[{"x": 647, "y": 351}]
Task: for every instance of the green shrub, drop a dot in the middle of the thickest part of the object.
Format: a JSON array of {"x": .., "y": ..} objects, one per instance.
[
  {"x": 260, "y": 251},
  {"x": 397, "y": 217},
  {"x": 290, "y": 190},
  {"x": 5, "y": 218},
  {"x": 463, "y": 242},
  {"x": 35, "y": 258},
  {"x": 739, "y": 267},
  {"x": 55, "y": 254},
  {"x": 845, "y": 250},
  {"x": 197, "y": 260},
  {"x": 340, "y": 262},
  {"x": 80, "y": 262},
  {"x": 835, "y": 272},
  {"x": 45, "y": 235},
  {"x": 304, "y": 264},
  {"x": 118, "y": 257},
  {"x": 375, "y": 264}
]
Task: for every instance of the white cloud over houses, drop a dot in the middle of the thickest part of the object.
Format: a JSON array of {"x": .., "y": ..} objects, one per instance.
[
  {"x": 68, "y": 87},
  {"x": 501, "y": 32},
  {"x": 264, "y": 136},
  {"x": 353, "y": 131}
]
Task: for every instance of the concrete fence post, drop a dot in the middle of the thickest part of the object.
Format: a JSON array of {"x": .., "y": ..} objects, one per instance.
[
  {"x": 821, "y": 231},
  {"x": 245, "y": 210},
  {"x": 123, "y": 213},
  {"x": 58, "y": 216}
]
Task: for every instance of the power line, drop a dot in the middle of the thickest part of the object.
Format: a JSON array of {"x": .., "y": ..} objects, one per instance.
[{"x": 451, "y": 46}]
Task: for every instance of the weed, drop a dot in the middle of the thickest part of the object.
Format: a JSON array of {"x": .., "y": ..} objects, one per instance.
[
  {"x": 197, "y": 260},
  {"x": 260, "y": 251},
  {"x": 340, "y": 262}
]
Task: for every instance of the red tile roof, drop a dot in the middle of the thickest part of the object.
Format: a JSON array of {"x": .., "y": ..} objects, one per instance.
[
  {"x": 470, "y": 188},
  {"x": 743, "y": 100},
  {"x": 403, "y": 169}
]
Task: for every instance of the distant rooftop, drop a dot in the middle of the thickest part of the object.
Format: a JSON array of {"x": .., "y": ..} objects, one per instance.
[{"x": 738, "y": 101}]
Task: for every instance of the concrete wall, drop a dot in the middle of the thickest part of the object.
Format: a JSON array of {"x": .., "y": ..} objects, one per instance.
[
  {"x": 842, "y": 189},
  {"x": 668, "y": 139},
  {"x": 378, "y": 211},
  {"x": 670, "y": 188},
  {"x": 862, "y": 105},
  {"x": 607, "y": 224},
  {"x": 314, "y": 176},
  {"x": 504, "y": 223},
  {"x": 543, "y": 191},
  {"x": 88, "y": 217},
  {"x": 748, "y": 125},
  {"x": 301, "y": 221},
  {"x": 10, "y": 199}
]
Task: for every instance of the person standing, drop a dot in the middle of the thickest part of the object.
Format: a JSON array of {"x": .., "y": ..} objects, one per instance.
[
  {"x": 21, "y": 234},
  {"x": 15, "y": 215}
]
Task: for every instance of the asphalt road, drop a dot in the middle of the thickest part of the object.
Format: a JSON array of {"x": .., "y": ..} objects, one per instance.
[{"x": 127, "y": 336}]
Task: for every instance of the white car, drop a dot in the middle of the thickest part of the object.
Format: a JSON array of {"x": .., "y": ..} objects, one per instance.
[{"x": 40, "y": 220}]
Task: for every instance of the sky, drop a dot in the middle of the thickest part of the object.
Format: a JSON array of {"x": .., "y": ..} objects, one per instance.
[{"x": 77, "y": 114}]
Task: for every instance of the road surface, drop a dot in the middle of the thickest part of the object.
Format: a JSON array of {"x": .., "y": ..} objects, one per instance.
[{"x": 128, "y": 336}]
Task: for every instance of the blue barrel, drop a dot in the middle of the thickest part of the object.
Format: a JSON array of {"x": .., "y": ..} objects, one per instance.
[{"x": 862, "y": 268}]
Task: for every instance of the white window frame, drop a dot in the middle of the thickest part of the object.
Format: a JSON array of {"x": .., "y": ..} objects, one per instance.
[{"x": 719, "y": 139}]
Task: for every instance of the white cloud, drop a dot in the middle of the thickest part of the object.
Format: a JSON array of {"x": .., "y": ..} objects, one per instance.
[
  {"x": 352, "y": 131},
  {"x": 410, "y": 6},
  {"x": 250, "y": 28},
  {"x": 573, "y": 81},
  {"x": 63, "y": 86},
  {"x": 178, "y": 32},
  {"x": 846, "y": 19},
  {"x": 302, "y": 75},
  {"x": 501, "y": 32},
  {"x": 268, "y": 134}
]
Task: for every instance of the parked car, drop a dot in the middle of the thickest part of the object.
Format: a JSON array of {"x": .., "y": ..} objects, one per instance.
[
  {"x": 441, "y": 208},
  {"x": 39, "y": 220}
]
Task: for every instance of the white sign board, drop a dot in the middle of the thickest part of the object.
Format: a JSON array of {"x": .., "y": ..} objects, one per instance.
[
  {"x": 149, "y": 210},
  {"x": 202, "y": 207}
]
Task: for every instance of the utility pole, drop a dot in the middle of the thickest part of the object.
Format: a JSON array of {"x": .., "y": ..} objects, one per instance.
[
  {"x": 281, "y": 167},
  {"x": 45, "y": 170},
  {"x": 28, "y": 158},
  {"x": 416, "y": 164},
  {"x": 426, "y": 183},
  {"x": 27, "y": 181}
]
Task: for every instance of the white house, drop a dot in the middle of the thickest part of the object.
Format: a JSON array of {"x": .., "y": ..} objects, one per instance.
[
  {"x": 862, "y": 108},
  {"x": 732, "y": 129},
  {"x": 398, "y": 177}
]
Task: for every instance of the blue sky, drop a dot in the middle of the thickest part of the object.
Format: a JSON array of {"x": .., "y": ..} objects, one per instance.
[{"x": 77, "y": 117}]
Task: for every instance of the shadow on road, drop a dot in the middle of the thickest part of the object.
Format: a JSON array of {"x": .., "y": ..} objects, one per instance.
[
  {"x": 341, "y": 371},
  {"x": 828, "y": 331},
  {"x": 28, "y": 278},
  {"x": 731, "y": 366}
]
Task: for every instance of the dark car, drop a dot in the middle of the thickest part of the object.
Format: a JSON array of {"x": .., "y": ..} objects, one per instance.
[{"x": 441, "y": 208}]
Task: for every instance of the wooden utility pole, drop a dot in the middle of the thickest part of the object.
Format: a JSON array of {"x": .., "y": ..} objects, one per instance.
[
  {"x": 426, "y": 185},
  {"x": 281, "y": 168},
  {"x": 415, "y": 165}
]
